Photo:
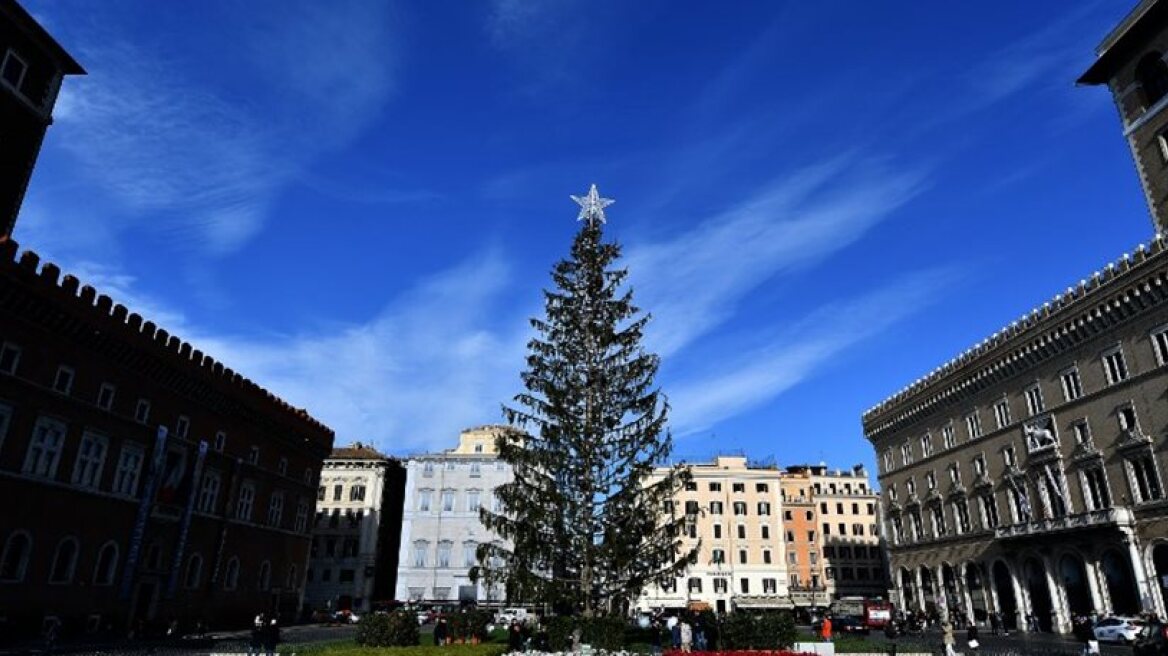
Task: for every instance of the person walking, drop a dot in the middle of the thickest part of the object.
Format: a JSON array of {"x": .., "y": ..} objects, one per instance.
[
  {"x": 686, "y": 637},
  {"x": 995, "y": 623},
  {"x": 675, "y": 633},
  {"x": 656, "y": 637},
  {"x": 440, "y": 632},
  {"x": 971, "y": 637},
  {"x": 256, "y": 643},
  {"x": 514, "y": 636},
  {"x": 947, "y": 638},
  {"x": 271, "y": 637},
  {"x": 825, "y": 630}
]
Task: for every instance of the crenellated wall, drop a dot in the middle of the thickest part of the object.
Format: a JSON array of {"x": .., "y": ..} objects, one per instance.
[{"x": 160, "y": 355}]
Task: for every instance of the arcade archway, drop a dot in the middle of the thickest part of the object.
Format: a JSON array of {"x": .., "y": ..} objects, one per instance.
[
  {"x": 1121, "y": 585},
  {"x": 1040, "y": 603},
  {"x": 977, "y": 592},
  {"x": 1007, "y": 603},
  {"x": 1073, "y": 574}
]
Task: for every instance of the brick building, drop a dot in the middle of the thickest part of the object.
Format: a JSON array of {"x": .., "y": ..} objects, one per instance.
[
  {"x": 146, "y": 481},
  {"x": 357, "y": 530},
  {"x": 32, "y": 65}
]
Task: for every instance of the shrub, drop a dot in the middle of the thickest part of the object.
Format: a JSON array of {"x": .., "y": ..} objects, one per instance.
[
  {"x": 396, "y": 629},
  {"x": 606, "y": 633},
  {"x": 767, "y": 629}
]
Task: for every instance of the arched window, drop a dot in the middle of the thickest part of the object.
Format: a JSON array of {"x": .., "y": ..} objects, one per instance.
[
  {"x": 231, "y": 575},
  {"x": 292, "y": 583},
  {"x": 194, "y": 571},
  {"x": 265, "y": 578},
  {"x": 107, "y": 564},
  {"x": 64, "y": 562},
  {"x": 14, "y": 562},
  {"x": 1152, "y": 74}
]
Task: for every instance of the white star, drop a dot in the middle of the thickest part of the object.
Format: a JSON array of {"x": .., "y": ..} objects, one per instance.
[{"x": 592, "y": 206}]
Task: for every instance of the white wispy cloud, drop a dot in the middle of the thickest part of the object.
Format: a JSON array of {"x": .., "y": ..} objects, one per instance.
[
  {"x": 751, "y": 377},
  {"x": 189, "y": 153},
  {"x": 695, "y": 281}
]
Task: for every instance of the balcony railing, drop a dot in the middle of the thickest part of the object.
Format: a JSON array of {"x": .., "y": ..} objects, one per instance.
[{"x": 1076, "y": 522}]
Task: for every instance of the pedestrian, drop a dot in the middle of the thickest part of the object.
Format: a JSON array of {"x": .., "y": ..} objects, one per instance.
[
  {"x": 971, "y": 636},
  {"x": 700, "y": 636},
  {"x": 656, "y": 636},
  {"x": 947, "y": 638},
  {"x": 440, "y": 632},
  {"x": 514, "y": 636},
  {"x": 675, "y": 634},
  {"x": 1084, "y": 631},
  {"x": 256, "y": 643},
  {"x": 825, "y": 630},
  {"x": 995, "y": 623},
  {"x": 271, "y": 636},
  {"x": 686, "y": 637}
]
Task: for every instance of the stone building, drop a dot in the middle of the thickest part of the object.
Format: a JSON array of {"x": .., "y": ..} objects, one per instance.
[
  {"x": 440, "y": 528},
  {"x": 32, "y": 66},
  {"x": 736, "y": 512},
  {"x": 848, "y": 533},
  {"x": 146, "y": 481},
  {"x": 1026, "y": 475},
  {"x": 357, "y": 527}
]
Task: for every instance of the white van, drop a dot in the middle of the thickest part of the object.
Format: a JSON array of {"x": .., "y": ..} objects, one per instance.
[{"x": 508, "y": 615}]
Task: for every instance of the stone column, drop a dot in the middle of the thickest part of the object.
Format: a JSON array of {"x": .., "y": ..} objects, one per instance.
[
  {"x": 939, "y": 590},
  {"x": 1154, "y": 586},
  {"x": 920, "y": 588},
  {"x": 1060, "y": 619},
  {"x": 1099, "y": 584},
  {"x": 1097, "y": 601},
  {"x": 966, "y": 596},
  {"x": 1138, "y": 570},
  {"x": 992, "y": 603},
  {"x": 1021, "y": 596}
]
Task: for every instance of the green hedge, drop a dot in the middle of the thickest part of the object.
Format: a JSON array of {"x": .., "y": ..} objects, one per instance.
[
  {"x": 768, "y": 629},
  {"x": 396, "y": 629},
  {"x": 350, "y": 649},
  {"x": 600, "y": 632}
]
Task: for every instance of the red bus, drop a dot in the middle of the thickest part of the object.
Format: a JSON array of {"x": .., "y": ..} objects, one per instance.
[{"x": 877, "y": 613}]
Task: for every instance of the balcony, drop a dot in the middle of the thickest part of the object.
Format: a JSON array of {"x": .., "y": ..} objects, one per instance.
[{"x": 1081, "y": 521}]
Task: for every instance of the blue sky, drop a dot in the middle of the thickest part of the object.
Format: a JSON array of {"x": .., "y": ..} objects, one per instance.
[{"x": 356, "y": 204}]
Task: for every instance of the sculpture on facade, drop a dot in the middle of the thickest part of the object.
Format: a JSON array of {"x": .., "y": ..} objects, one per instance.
[{"x": 1039, "y": 437}]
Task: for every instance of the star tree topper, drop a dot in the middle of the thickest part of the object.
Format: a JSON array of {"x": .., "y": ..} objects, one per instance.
[{"x": 592, "y": 206}]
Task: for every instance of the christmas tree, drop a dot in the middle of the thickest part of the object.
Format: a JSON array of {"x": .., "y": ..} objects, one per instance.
[{"x": 589, "y": 513}]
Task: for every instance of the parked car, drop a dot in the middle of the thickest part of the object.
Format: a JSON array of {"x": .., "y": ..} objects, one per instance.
[
  {"x": 1152, "y": 641},
  {"x": 346, "y": 617},
  {"x": 1118, "y": 629},
  {"x": 843, "y": 624},
  {"x": 508, "y": 615}
]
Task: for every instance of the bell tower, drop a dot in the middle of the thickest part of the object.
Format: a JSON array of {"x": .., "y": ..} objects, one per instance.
[{"x": 32, "y": 65}]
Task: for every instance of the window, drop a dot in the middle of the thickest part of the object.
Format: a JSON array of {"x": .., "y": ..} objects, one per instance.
[
  {"x": 843, "y": 530},
  {"x": 1127, "y": 419},
  {"x": 826, "y": 528},
  {"x": 1008, "y": 456},
  {"x": 694, "y": 584},
  {"x": 301, "y": 516},
  {"x": 989, "y": 510},
  {"x": 276, "y": 509},
  {"x": 447, "y": 500},
  {"x": 253, "y": 458},
  {"x": 906, "y": 454},
  {"x": 231, "y": 574},
  {"x": 424, "y": 500},
  {"x": 926, "y": 445},
  {"x": 13, "y": 69},
  {"x": 476, "y": 468},
  {"x": 420, "y": 549},
  {"x": 739, "y": 507},
  {"x": 888, "y": 462},
  {"x": 790, "y": 536},
  {"x": 715, "y": 507},
  {"x": 338, "y": 491},
  {"x": 105, "y": 396},
  {"x": 1072, "y": 385},
  {"x": 744, "y": 585},
  {"x": 64, "y": 562},
  {"x": 766, "y": 556},
  {"x": 1002, "y": 413},
  {"x": 220, "y": 441},
  {"x": 9, "y": 358},
  {"x": 478, "y": 448},
  {"x": 469, "y": 554},
  {"x": 764, "y": 508},
  {"x": 742, "y": 531},
  {"x": 823, "y": 507},
  {"x": 718, "y": 556},
  {"x": 911, "y": 486},
  {"x": 769, "y": 586},
  {"x": 742, "y": 556},
  {"x": 1034, "y": 402},
  {"x": 857, "y": 529},
  {"x": 496, "y": 503},
  {"x": 1145, "y": 482},
  {"x": 444, "y": 549},
  {"x": 720, "y": 586},
  {"x": 1082, "y": 432},
  {"x": 472, "y": 500},
  {"x": 129, "y": 468},
  {"x": 194, "y": 572},
  {"x": 961, "y": 515},
  {"x": 63, "y": 381},
  {"x": 717, "y": 531},
  {"x": 1152, "y": 75},
  {"x": 44, "y": 451},
  {"x": 973, "y": 425},
  {"x": 938, "y": 516},
  {"x": 1095, "y": 492},
  {"x": 739, "y": 487},
  {"x": 979, "y": 465},
  {"x": 243, "y": 506},
  {"x": 761, "y": 487},
  {"x": 1114, "y": 366},
  {"x": 182, "y": 426},
  {"x": 715, "y": 487},
  {"x": 931, "y": 480},
  {"x": 450, "y": 465},
  {"x": 839, "y": 508},
  {"x": 107, "y": 564},
  {"x": 691, "y": 486},
  {"x": 357, "y": 492},
  {"x": 766, "y": 532},
  {"x": 14, "y": 561},
  {"x": 427, "y": 469},
  {"x": 90, "y": 461},
  {"x": 142, "y": 411}
]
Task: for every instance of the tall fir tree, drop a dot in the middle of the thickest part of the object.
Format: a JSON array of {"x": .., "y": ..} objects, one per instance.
[{"x": 588, "y": 519}]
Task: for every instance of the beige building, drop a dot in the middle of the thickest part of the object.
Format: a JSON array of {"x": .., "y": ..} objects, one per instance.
[
  {"x": 1026, "y": 475},
  {"x": 849, "y": 533},
  {"x": 736, "y": 515}
]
